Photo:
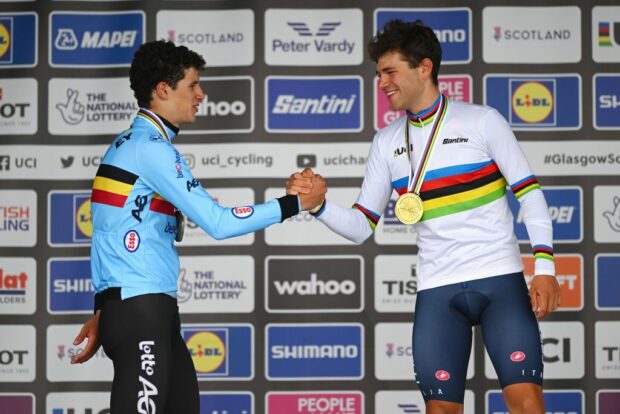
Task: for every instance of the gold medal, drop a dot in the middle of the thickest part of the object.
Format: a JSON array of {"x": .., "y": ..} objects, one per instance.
[{"x": 409, "y": 208}]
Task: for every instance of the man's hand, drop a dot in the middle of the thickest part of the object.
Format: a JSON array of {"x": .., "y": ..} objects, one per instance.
[
  {"x": 544, "y": 295},
  {"x": 310, "y": 188},
  {"x": 89, "y": 330}
]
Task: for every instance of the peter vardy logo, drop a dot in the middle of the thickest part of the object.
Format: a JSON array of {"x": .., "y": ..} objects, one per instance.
[
  {"x": 226, "y": 403},
  {"x": 322, "y": 37},
  {"x": 452, "y": 27},
  {"x": 557, "y": 402},
  {"x": 606, "y": 101},
  {"x": 536, "y": 102},
  {"x": 221, "y": 352},
  {"x": 96, "y": 39},
  {"x": 69, "y": 286},
  {"x": 18, "y": 40},
  {"x": 69, "y": 218},
  {"x": 314, "y": 104},
  {"x": 314, "y": 352},
  {"x": 565, "y": 209}
]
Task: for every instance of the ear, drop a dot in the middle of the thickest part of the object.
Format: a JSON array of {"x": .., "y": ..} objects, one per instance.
[
  {"x": 161, "y": 90},
  {"x": 426, "y": 68}
]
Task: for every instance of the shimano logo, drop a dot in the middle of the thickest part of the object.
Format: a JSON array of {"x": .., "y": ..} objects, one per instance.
[
  {"x": 289, "y": 104},
  {"x": 454, "y": 140},
  {"x": 314, "y": 351},
  {"x": 315, "y": 287},
  {"x": 451, "y": 36},
  {"x": 221, "y": 108},
  {"x": 73, "y": 285}
]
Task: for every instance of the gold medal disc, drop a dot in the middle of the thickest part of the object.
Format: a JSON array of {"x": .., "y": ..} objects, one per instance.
[{"x": 409, "y": 208}]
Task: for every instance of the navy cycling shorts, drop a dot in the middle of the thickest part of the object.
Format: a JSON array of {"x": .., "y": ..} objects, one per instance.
[{"x": 442, "y": 334}]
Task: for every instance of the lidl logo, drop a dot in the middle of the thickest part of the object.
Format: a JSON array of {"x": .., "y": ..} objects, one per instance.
[
  {"x": 95, "y": 39},
  {"x": 69, "y": 218},
  {"x": 536, "y": 102},
  {"x": 452, "y": 27},
  {"x": 607, "y": 281},
  {"x": 564, "y": 401},
  {"x": 18, "y": 40},
  {"x": 569, "y": 274},
  {"x": 226, "y": 403},
  {"x": 565, "y": 209},
  {"x": 220, "y": 352},
  {"x": 69, "y": 286},
  {"x": 606, "y": 101}
]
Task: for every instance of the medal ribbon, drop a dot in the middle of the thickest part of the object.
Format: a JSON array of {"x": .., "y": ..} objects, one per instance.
[
  {"x": 154, "y": 119},
  {"x": 416, "y": 178}
]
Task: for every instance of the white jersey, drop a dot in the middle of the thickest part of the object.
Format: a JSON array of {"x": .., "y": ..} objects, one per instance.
[{"x": 466, "y": 231}]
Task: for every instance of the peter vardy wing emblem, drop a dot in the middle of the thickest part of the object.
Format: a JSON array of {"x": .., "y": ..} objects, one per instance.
[{"x": 302, "y": 28}]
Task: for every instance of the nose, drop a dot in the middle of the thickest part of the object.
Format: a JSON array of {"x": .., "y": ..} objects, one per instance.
[
  {"x": 200, "y": 95},
  {"x": 383, "y": 81}
]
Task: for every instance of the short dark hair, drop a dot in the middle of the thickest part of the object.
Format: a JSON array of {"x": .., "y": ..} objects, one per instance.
[
  {"x": 413, "y": 40},
  {"x": 159, "y": 61}
]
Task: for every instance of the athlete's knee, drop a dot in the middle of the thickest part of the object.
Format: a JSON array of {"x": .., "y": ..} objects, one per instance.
[
  {"x": 524, "y": 399},
  {"x": 443, "y": 407}
]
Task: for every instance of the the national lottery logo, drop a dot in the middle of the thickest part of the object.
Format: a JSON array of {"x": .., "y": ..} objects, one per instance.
[
  {"x": 95, "y": 39},
  {"x": 536, "y": 102},
  {"x": 18, "y": 40},
  {"x": 220, "y": 352}
]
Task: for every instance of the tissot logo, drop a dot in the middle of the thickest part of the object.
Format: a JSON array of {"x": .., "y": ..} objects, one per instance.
[
  {"x": 396, "y": 283},
  {"x": 17, "y": 353},
  {"x": 95, "y": 39},
  {"x": 322, "y": 284},
  {"x": 228, "y": 106},
  {"x": 607, "y": 338},
  {"x": 328, "y": 37},
  {"x": 18, "y": 106}
]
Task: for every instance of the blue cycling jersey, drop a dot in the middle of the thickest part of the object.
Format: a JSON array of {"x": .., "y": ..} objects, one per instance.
[{"x": 142, "y": 179}]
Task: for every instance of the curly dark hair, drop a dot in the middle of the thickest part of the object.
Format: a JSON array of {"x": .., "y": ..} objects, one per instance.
[
  {"x": 413, "y": 40},
  {"x": 159, "y": 61}
]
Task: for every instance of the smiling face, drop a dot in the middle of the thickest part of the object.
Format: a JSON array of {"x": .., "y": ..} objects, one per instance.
[
  {"x": 183, "y": 100},
  {"x": 406, "y": 88}
]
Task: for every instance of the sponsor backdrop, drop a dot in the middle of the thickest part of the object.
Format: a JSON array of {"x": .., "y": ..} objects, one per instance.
[{"x": 296, "y": 319}]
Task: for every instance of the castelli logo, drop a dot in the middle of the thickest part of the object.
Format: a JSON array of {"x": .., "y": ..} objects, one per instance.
[
  {"x": 517, "y": 356},
  {"x": 132, "y": 241},
  {"x": 442, "y": 375}
]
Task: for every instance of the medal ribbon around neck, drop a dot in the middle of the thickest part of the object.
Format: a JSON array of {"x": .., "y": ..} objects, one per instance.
[
  {"x": 417, "y": 178},
  {"x": 154, "y": 119}
]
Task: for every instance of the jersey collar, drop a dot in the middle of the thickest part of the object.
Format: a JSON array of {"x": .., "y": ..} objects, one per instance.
[
  {"x": 164, "y": 127},
  {"x": 425, "y": 114}
]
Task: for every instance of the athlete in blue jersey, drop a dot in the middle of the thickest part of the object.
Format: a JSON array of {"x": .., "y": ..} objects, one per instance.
[
  {"x": 138, "y": 194},
  {"x": 452, "y": 163}
]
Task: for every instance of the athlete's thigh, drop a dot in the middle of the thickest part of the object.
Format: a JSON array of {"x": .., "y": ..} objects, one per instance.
[
  {"x": 183, "y": 394},
  {"x": 441, "y": 346},
  {"x": 138, "y": 333},
  {"x": 511, "y": 333}
]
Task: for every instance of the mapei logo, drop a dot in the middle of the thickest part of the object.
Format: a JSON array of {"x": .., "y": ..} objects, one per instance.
[
  {"x": 95, "y": 39},
  {"x": 536, "y": 102},
  {"x": 221, "y": 352},
  {"x": 69, "y": 286},
  {"x": 302, "y": 352},
  {"x": 314, "y": 104},
  {"x": 69, "y": 218},
  {"x": 17, "y": 403},
  {"x": 606, "y": 101},
  {"x": 606, "y": 34},
  {"x": 566, "y": 211},
  {"x": 226, "y": 403},
  {"x": 452, "y": 27},
  {"x": 556, "y": 402},
  {"x": 18, "y": 40},
  {"x": 317, "y": 37},
  {"x": 311, "y": 402}
]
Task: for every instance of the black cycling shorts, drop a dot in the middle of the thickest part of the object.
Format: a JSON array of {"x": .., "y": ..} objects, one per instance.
[
  {"x": 442, "y": 334},
  {"x": 153, "y": 370}
]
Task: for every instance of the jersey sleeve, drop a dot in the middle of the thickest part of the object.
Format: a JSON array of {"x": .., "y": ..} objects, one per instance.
[
  {"x": 507, "y": 154},
  {"x": 359, "y": 222},
  {"x": 162, "y": 167}
]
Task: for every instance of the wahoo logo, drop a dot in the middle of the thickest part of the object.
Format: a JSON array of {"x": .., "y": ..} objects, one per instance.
[
  {"x": 314, "y": 104},
  {"x": 326, "y": 284},
  {"x": 314, "y": 352},
  {"x": 96, "y": 39}
]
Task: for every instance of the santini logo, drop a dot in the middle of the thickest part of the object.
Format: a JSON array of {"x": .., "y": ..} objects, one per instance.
[
  {"x": 289, "y": 104},
  {"x": 315, "y": 287},
  {"x": 454, "y": 140}
]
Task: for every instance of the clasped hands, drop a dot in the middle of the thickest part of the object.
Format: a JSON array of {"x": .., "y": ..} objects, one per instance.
[{"x": 309, "y": 187}]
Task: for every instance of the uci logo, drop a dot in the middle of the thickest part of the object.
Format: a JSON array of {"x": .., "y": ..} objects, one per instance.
[
  {"x": 242, "y": 212},
  {"x": 532, "y": 102}
]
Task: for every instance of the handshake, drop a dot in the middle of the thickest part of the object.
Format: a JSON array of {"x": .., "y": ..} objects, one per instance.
[{"x": 309, "y": 187}]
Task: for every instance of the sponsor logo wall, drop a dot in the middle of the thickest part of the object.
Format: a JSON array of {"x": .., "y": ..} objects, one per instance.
[{"x": 296, "y": 319}]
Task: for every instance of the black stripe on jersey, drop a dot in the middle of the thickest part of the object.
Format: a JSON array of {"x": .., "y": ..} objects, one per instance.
[
  {"x": 115, "y": 173},
  {"x": 460, "y": 188}
]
